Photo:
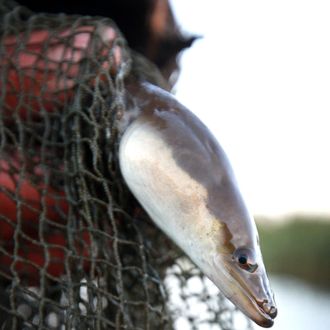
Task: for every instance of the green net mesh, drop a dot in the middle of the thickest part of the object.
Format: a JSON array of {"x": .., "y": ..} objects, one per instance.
[{"x": 76, "y": 249}]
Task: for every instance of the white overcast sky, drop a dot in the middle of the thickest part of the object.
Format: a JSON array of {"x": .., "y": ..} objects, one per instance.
[{"x": 260, "y": 80}]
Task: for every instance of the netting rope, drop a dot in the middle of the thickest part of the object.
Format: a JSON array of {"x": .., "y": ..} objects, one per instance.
[{"x": 76, "y": 249}]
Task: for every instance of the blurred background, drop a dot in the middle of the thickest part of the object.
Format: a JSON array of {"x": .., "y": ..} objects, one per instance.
[{"x": 259, "y": 78}]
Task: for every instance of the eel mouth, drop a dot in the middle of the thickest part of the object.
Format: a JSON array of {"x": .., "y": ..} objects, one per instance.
[
  {"x": 266, "y": 313},
  {"x": 262, "y": 312}
]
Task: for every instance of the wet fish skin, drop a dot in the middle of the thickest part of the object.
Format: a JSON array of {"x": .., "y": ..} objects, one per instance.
[{"x": 181, "y": 176}]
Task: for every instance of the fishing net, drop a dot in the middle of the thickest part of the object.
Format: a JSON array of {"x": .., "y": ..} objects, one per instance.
[{"x": 76, "y": 249}]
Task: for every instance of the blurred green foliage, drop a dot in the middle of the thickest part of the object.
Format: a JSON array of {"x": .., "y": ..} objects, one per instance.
[{"x": 299, "y": 247}]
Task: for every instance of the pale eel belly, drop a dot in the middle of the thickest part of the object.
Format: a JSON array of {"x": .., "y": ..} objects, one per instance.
[{"x": 181, "y": 176}]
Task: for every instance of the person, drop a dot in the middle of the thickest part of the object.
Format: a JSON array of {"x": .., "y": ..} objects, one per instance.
[{"x": 149, "y": 27}]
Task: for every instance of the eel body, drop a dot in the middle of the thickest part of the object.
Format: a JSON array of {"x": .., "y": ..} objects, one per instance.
[{"x": 181, "y": 176}]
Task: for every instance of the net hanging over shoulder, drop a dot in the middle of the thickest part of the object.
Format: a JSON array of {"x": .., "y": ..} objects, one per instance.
[{"x": 76, "y": 249}]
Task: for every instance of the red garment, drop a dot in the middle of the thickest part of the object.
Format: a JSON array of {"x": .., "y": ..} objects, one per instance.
[{"x": 41, "y": 70}]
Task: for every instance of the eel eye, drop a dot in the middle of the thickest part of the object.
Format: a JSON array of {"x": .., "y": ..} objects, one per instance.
[
  {"x": 245, "y": 259},
  {"x": 242, "y": 259}
]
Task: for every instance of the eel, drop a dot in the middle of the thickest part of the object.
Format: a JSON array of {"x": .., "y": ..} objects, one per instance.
[{"x": 181, "y": 176}]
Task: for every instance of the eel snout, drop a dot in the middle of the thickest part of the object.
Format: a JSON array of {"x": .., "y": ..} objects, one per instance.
[{"x": 247, "y": 288}]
